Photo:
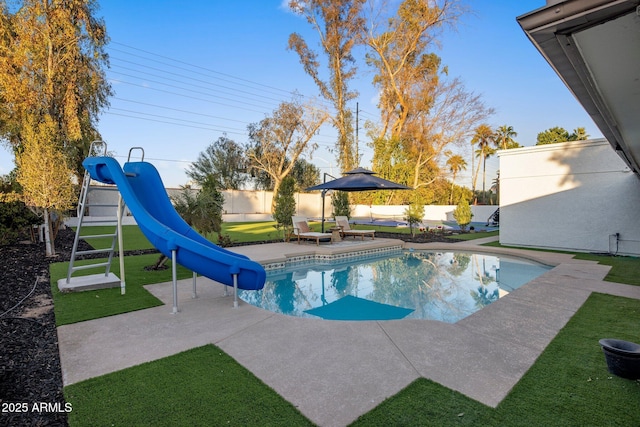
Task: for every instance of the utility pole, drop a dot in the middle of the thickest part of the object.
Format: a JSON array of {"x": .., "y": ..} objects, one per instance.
[{"x": 357, "y": 125}]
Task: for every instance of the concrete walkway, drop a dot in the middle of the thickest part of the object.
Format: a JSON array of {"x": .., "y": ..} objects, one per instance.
[{"x": 334, "y": 371}]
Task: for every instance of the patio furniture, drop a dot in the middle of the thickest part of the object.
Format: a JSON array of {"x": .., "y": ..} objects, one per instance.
[
  {"x": 343, "y": 223},
  {"x": 336, "y": 234},
  {"x": 303, "y": 232}
]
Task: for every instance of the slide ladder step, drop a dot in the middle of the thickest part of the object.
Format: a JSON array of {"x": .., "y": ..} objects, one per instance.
[
  {"x": 96, "y": 221},
  {"x": 101, "y": 205},
  {"x": 94, "y": 251},
  {"x": 98, "y": 236},
  {"x": 89, "y": 266}
]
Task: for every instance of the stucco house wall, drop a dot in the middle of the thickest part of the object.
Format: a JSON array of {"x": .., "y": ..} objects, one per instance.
[{"x": 577, "y": 196}]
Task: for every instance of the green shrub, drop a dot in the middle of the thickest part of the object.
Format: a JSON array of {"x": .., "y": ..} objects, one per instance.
[
  {"x": 285, "y": 204},
  {"x": 462, "y": 214},
  {"x": 15, "y": 219},
  {"x": 414, "y": 213},
  {"x": 340, "y": 202}
]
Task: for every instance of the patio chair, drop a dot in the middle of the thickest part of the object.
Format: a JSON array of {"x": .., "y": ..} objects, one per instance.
[
  {"x": 303, "y": 232},
  {"x": 343, "y": 223}
]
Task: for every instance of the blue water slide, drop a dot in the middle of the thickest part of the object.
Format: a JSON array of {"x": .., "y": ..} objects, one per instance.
[{"x": 144, "y": 194}]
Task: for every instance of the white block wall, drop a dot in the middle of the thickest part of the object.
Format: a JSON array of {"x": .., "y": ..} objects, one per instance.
[{"x": 571, "y": 196}]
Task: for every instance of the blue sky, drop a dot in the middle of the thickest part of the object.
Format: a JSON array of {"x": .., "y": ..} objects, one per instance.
[{"x": 184, "y": 73}]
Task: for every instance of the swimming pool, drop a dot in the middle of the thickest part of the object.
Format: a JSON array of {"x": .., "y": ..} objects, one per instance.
[{"x": 444, "y": 286}]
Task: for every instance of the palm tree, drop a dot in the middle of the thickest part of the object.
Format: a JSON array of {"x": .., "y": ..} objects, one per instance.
[
  {"x": 456, "y": 163},
  {"x": 484, "y": 154},
  {"x": 579, "y": 134},
  {"x": 504, "y": 137},
  {"x": 495, "y": 186},
  {"x": 484, "y": 137}
]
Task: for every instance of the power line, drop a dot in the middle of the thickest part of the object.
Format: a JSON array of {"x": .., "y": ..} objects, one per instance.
[
  {"x": 206, "y": 82},
  {"x": 177, "y": 120},
  {"x": 188, "y": 96},
  {"x": 235, "y": 80},
  {"x": 178, "y": 110},
  {"x": 175, "y": 78},
  {"x": 183, "y": 77},
  {"x": 282, "y": 91},
  {"x": 133, "y": 114},
  {"x": 174, "y": 122}
]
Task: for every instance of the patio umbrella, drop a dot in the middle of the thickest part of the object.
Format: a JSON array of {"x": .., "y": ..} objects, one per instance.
[{"x": 358, "y": 179}]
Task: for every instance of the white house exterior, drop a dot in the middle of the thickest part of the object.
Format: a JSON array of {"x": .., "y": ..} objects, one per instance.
[{"x": 577, "y": 196}]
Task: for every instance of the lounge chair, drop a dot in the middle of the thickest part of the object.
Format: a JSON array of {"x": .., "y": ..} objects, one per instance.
[
  {"x": 302, "y": 231},
  {"x": 343, "y": 223}
]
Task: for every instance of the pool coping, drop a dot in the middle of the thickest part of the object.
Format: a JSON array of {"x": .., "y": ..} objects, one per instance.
[{"x": 334, "y": 371}]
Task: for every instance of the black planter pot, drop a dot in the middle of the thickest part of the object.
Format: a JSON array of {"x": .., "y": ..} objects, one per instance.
[{"x": 623, "y": 357}]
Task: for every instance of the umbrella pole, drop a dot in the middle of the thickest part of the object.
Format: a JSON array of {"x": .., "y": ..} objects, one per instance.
[{"x": 324, "y": 192}]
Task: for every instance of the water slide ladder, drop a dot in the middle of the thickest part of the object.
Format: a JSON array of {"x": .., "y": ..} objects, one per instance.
[{"x": 108, "y": 279}]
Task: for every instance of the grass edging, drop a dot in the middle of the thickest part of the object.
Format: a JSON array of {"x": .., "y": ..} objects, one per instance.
[
  {"x": 72, "y": 307},
  {"x": 202, "y": 386},
  {"x": 568, "y": 385}
]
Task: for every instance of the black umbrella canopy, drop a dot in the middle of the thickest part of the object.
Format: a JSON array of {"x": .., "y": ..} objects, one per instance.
[{"x": 359, "y": 179}]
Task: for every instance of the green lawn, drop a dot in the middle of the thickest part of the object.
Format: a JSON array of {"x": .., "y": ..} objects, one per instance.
[
  {"x": 624, "y": 269},
  {"x": 242, "y": 232},
  {"x": 132, "y": 237},
  {"x": 72, "y": 307},
  {"x": 473, "y": 236},
  {"x": 200, "y": 387},
  {"x": 567, "y": 386}
]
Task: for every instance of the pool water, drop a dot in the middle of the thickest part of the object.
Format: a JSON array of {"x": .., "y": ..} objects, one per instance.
[{"x": 444, "y": 286}]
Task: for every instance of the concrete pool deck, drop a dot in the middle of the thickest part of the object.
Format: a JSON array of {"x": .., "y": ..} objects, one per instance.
[{"x": 335, "y": 371}]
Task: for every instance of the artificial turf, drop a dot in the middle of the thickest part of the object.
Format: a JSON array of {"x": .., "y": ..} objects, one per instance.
[
  {"x": 72, "y": 307},
  {"x": 199, "y": 387},
  {"x": 568, "y": 385}
]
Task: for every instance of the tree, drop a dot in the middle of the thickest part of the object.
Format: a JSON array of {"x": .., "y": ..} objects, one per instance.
[
  {"x": 414, "y": 214},
  {"x": 456, "y": 163},
  {"x": 421, "y": 107},
  {"x": 224, "y": 162},
  {"x": 495, "y": 186},
  {"x": 485, "y": 154},
  {"x": 462, "y": 214},
  {"x": 579, "y": 134},
  {"x": 337, "y": 22},
  {"x": 201, "y": 209},
  {"x": 279, "y": 140},
  {"x": 285, "y": 204},
  {"x": 15, "y": 216},
  {"x": 52, "y": 71},
  {"x": 45, "y": 178},
  {"x": 504, "y": 137},
  {"x": 484, "y": 137},
  {"x": 405, "y": 72},
  {"x": 552, "y": 136},
  {"x": 558, "y": 134},
  {"x": 340, "y": 203},
  {"x": 305, "y": 174},
  {"x": 449, "y": 120}
]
